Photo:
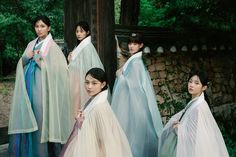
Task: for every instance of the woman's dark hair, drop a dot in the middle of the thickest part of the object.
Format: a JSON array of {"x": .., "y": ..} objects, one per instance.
[
  {"x": 135, "y": 38},
  {"x": 203, "y": 77},
  {"x": 84, "y": 25},
  {"x": 44, "y": 18},
  {"x": 98, "y": 74}
]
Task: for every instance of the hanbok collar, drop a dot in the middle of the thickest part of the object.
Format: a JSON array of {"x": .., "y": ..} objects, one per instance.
[
  {"x": 137, "y": 55},
  {"x": 195, "y": 101},
  {"x": 101, "y": 97},
  {"x": 45, "y": 46},
  {"x": 200, "y": 97},
  {"x": 78, "y": 49},
  {"x": 38, "y": 43}
]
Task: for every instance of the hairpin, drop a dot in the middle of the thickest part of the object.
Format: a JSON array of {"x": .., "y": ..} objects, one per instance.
[{"x": 133, "y": 34}]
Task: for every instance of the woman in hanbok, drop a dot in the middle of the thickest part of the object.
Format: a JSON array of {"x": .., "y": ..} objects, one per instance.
[
  {"x": 97, "y": 132},
  {"x": 134, "y": 103},
  {"x": 193, "y": 132},
  {"x": 40, "y": 112},
  {"x": 81, "y": 59}
]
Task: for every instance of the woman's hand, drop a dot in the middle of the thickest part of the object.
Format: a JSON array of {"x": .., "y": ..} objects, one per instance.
[
  {"x": 37, "y": 57},
  {"x": 119, "y": 72},
  {"x": 176, "y": 124},
  {"x": 80, "y": 118},
  {"x": 30, "y": 54},
  {"x": 69, "y": 57}
]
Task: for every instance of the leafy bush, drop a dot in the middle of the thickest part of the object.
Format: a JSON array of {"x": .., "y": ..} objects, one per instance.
[{"x": 10, "y": 58}]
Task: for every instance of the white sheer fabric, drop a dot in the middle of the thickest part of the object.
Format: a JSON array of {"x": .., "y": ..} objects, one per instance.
[
  {"x": 135, "y": 106},
  {"x": 56, "y": 100},
  {"x": 198, "y": 134},
  {"x": 84, "y": 57},
  {"x": 100, "y": 134}
]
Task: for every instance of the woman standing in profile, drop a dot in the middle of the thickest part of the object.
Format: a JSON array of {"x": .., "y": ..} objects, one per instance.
[
  {"x": 81, "y": 59},
  {"x": 193, "y": 132},
  {"x": 134, "y": 102},
  {"x": 40, "y": 111}
]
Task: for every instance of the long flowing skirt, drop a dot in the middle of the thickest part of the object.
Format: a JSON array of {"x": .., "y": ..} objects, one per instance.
[{"x": 28, "y": 144}]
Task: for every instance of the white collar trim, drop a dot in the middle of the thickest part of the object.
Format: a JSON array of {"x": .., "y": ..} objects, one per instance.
[
  {"x": 137, "y": 55},
  {"x": 78, "y": 49},
  {"x": 101, "y": 97}
]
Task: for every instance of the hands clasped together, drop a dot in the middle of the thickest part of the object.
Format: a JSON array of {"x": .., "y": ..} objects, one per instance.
[{"x": 35, "y": 55}]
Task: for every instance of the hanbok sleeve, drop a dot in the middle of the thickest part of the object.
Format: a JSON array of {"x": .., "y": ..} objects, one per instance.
[
  {"x": 135, "y": 106},
  {"x": 84, "y": 61},
  {"x": 138, "y": 78},
  {"x": 25, "y": 59},
  {"x": 110, "y": 137},
  {"x": 199, "y": 135},
  {"x": 186, "y": 132},
  {"x": 99, "y": 136}
]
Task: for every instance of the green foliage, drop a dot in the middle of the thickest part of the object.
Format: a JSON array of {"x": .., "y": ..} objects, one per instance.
[
  {"x": 171, "y": 106},
  {"x": 180, "y": 15},
  {"x": 148, "y": 14},
  {"x": 16, "y": 29},
  {"x": 117, "y": 11}
]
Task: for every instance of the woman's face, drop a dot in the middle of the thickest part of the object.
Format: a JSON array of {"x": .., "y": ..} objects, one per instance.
[
  {"x": 41, "y": 29},
  {"x": 93, "y": 86},
  {"x": 80, "y": 33},
  {"x": 134, "y": 47},
  {"x": 195, "y": 87}
]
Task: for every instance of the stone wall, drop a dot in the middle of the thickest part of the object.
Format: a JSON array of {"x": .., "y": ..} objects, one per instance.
[{"x": 169, "y": 73}]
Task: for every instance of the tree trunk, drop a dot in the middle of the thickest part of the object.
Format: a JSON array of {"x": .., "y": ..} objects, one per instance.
[
  {"x": 1, "y": 51},
  {"x": 129, "y": 12},
  {"x": 75, "y": 11},
  {"x": 106, "y": 37}
]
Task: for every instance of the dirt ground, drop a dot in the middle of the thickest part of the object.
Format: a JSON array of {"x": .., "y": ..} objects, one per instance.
[{"x": 6, "y": 91}]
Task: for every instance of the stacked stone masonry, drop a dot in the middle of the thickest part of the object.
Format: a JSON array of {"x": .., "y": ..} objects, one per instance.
[{"x": 169, "y": 74}]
